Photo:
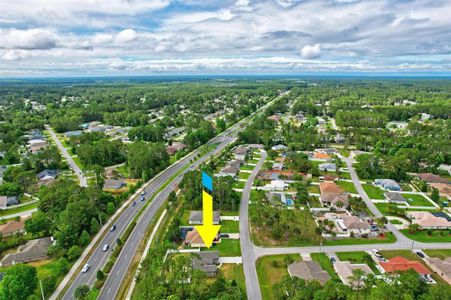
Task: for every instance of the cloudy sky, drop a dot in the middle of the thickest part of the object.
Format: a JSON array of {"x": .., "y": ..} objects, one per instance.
[{"x": 143, "y": 37}]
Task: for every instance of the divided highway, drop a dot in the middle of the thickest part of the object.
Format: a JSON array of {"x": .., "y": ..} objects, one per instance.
[{"x": 98, "y": 258}]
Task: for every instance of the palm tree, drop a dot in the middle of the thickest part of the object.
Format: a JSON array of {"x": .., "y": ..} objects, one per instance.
[{"x": 357, "y": 279}]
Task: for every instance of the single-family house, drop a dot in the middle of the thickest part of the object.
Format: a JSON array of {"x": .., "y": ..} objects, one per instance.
[
  {"x": 441, "y": 267},
  {"x": 443, "y": 189},
  {"x": 309, "y": 271},
  {"x": 329, "y": 187},
  {"x": 196, "y": 217},
  {"x": 432, "y": 178},
  {"x": 268, "y": 175},
  {"x": 427, "y": 220},
  {"x": 33, "y": 250},
  {"x": 113, "y": 184},
  {"x": 387, "y": 184},
  {"x": 321, "y": 156},
  {"x": 275, "y": 118},
  {"x": 328, "y": 167},
  {"x": 277, "y": 185},
  {"x": 35, "y": 146},
  {"x": 6, "y": 201},
  {"x": 228, "y": 171},
  {"x": 240, "y": 153},
  {"x": 193, "y": 239},
  {"x": 11, "y": 228},
  {"x": 175, "y": 147},
  {"x": 47, "y": 175},
  {"x": 277, "y": 166},
  {"x": 400, "y": 264},
  {"x": 354, "y": 224},
  {"x": 73, "y": 133},
  {"x": 206, "y": 261},
  {"x": 279, "y": 147},
  {"x": 236, "y": 163},
  {"x": 344, "y": 270},
  {"x": 393, "y": 197},
  {"x": 335, "y": 200},
  {"x": 329, "y": 177}
]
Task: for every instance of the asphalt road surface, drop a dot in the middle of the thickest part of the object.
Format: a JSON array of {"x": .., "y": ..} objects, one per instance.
[
  {"x": 81, "y": 177},
  {"x": 247, "y": 248}
]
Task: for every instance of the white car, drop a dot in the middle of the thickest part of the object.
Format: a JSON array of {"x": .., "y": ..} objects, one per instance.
[
  {"x": 85, "y": 268},
  {"x": 143, "y": 193},
  {"x": 105, "y": 248}
]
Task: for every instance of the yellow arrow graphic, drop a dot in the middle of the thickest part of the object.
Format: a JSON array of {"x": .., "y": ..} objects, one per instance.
[{"x": 207, "y": 230}]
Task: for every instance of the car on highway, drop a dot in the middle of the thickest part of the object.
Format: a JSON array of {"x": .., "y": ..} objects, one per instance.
[
  {"x": 113, "y": 228},
  {"x": 420, "y": 254},
  {"x": 105, "y": 247},
  {"x": 143, "y": 193},
  {"x": 85, "y": 268},
  {"x": 134, "y": 203},
  {"x": 142, "y": 198}
]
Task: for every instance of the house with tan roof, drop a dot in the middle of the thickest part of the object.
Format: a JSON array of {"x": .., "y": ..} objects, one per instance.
[
  {"x": 193, "y": 239},
  {"x": 431, "y": 178},
  {"x": 444, "y": 189},
  {"x": 11, "y": 228},
  {"x": 354, "y": 224},
  {"x": 335, "y": 200},
  {"x": 426, "y": 220},
  {"x": 329, "y": 187},
  {"x": 344, "y": 270},
  {"x": 309, "y": 271}
]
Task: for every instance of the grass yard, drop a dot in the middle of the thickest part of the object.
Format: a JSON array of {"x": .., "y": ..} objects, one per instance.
[
  {"x": 78, "y": 162},
  {"x": 440, "y": 253},
  {"x": 227, "y": 247},
  {"x": 373, "y": 191},
  {"x": 438, "y": 236},
  {"x": 347, "y": 186},
  {"x": 15, "y": 210},
  {"x": 345, "y": 175},
  {"x": 230, "y": 227},
  {"x": 389, "y": 238},
  {"x": 359, "y": 257},
  {"x": 124, "y": 171},
  {"x": 314, "y": 202},
  {"x": 313, "y": 189},
  {"x": 185, "y": 218},
  {"x": 417, "y": 200},
  {"x": 239, "y": 185},
  {"x": 325, "y": 263},
  {"x": 253, "y": 161},
  {"x": 244, "y": 175},
  {"x": 247, "y": 167},
  {"x": 270, "y": 270},
  {"x": 234, "y": 272}
]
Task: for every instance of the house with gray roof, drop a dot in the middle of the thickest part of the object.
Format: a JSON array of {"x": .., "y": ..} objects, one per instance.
[
  {"x": 33, "y": 250},
  {"x": 393, "y": 197},
  {"x": 329, "y": 167},
  {"x": 6, "y": 201},
  {"x": 196, "y": 217},
  {"x": 206, "y": 261},
  {"x": 309, "y": 271},
  {"x": 113, "y": 184},
  {"x": 387, "y": 184}
]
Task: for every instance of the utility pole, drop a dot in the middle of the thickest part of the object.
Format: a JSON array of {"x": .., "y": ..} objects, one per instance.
[
  {"x": 42, "y": 290},
  {"x": 411, "y": 249}
]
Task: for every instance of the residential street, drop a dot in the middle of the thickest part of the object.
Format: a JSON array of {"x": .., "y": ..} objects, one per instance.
[
  {"x": 81, "y": 177},
  {"x": 247, "y": 248},
  {"x": 251, "y": 253}
]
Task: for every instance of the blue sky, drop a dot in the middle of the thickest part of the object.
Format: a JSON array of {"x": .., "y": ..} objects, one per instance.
[{"x": 164, "y": 37}]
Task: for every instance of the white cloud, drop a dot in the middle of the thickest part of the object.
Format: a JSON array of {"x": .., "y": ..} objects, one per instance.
[
  {"x": 125, "y": 36},
  {"x": 14, "y": 55},
  {"x": 311, "y": 51},
  {"x": 28, "y": 39},
  {"x": 101, "y": 39}
]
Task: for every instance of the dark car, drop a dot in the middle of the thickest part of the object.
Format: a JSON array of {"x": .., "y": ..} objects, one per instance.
[
  {"x": 420, "y": 254},
  {"x": 224, "y": 235},
  {"x": 332, "y": 259},
  {"x": 134, "y": 203}
]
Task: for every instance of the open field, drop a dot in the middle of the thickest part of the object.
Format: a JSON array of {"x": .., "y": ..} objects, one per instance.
[
  {"x": 373, "y": 192},
  {"x": 440, "y": 253},
  {"x": 234, "y": 272},
  {"x": 347, "y": 186},
  {"x": 417, "y": 200}
]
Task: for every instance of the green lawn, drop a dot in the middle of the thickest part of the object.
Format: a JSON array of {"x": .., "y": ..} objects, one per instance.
[
  {"x": 234, "y": 272},
  {"x": 359, "y": 257},
  {"x": 15, "y": 210},
  {"x": 373, "y": 191},
  {"x": 247, "y": 167},
  {"x": 185, "y": 218},
  {"x": 314, "y": 202},
  {"x": 345, "y": 175},
  {"x": 270, "y": 270},
  {"x": 325, "y": 263},
  {"x": 347, "y": 186},
  {"x": 230, "y": 227},
  {"x": 124, "y": 171},
  {"x": 239, "y": 185},
  {"x": 227, "y": 247},
  {"x": 389, "y": 238},
  {"x": 440, "y": 253},
  {"x": 244, "y": 175},
  {"x": 422, "y": 236},
  {"x": 78, "y": 162},
  {"x": 417, "y": 200},
  {"x": 253, "y": 161},
  {"x": 313, "y": 189}
]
